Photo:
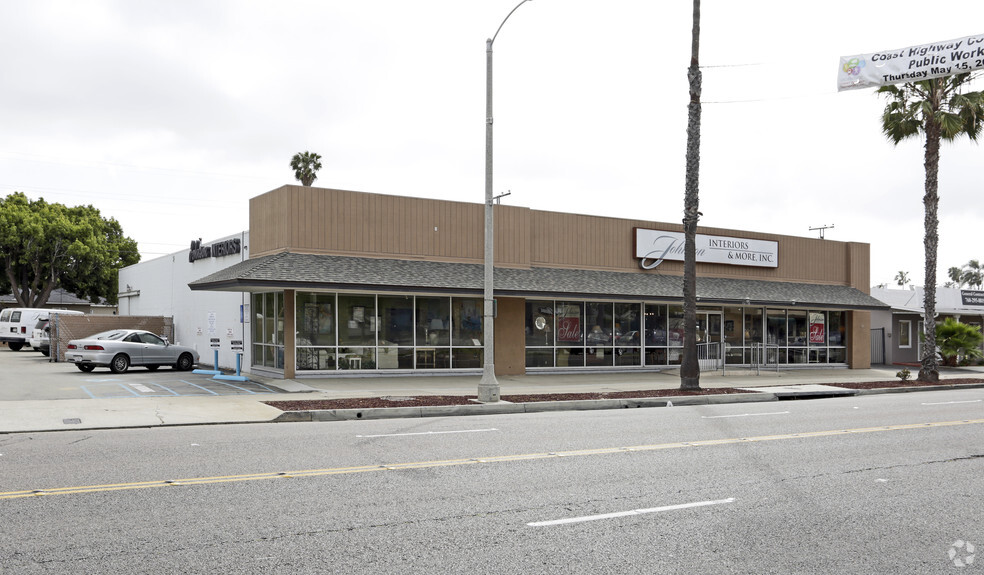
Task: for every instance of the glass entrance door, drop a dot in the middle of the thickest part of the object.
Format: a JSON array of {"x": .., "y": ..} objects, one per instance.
[{"x": 709, "y": 337}]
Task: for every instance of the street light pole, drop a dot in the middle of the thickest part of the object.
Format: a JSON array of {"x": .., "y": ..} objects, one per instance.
[{"x": 488, "y": 388}]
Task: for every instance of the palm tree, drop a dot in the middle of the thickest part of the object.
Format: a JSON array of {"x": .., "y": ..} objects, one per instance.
[
  {"x": 690, "y": 367},
  {"x": 306, "y": 166},
  {"x": 940, "y": 109},
  {"x": 902, "y": 278},
  {"x": 956, "y": 277},
  {"x": 972, "y": 274}
]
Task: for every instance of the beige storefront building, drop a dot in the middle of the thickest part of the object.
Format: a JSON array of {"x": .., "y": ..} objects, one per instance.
[{"x": 344, "y": 281}]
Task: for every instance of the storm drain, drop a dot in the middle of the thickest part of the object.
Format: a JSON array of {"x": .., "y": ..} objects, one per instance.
[{"x": 72, "y": 421}]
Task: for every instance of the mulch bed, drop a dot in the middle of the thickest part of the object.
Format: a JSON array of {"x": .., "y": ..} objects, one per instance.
[
  {"x": 900, "y": 383},
  {"x": 434, "y": 400}
]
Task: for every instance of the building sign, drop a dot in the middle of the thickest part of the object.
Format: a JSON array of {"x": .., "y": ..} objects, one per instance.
[
  {"x": 569, "y": 329},
  {"x": 818, "y": 332},
  {"x": 911, "y": 64},
  {"x": 216, "y": 250},
  {"x": 653, "y": 247},
  {"x": 972, "y": 297}
]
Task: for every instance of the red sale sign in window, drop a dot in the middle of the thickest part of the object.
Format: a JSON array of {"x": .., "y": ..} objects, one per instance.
[
  {"x": 569, "y": 329},
  {"x": 817, "y": 332}
]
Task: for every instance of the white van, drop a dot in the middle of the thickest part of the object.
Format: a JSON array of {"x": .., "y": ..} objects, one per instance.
[{"x": 17, "y": 324}]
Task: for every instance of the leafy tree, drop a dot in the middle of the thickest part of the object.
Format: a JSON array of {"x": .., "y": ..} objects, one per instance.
[
  {"x": 306, "y": 166},
  {"x": 44, "y": 246},
  {"x": 902, "y": 278},
  {"x": 956, "y": 340},
  {"x": 690, "y": 366},
  {"x": 940, "y": 108}
]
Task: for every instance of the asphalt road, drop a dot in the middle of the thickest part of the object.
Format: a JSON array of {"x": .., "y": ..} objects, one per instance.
[{"x": 872, "y": 484}]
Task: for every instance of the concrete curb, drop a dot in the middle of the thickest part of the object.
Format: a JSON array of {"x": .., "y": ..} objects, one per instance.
[
  {"x": 591, "y": 404},
  {"x": 940, "y": 387},
  {"x": 503, "y": 408}
]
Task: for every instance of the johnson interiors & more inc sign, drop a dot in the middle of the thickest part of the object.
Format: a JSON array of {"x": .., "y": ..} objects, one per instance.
[{"x": 653, "y": 247}]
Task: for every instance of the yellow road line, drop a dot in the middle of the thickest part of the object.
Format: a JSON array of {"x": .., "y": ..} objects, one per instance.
[{"x": 469, "y": 461}]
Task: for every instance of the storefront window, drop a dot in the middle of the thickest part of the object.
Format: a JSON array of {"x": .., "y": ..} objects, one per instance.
[
  {"x": 433, "y": 321},
  {"x": 655, "y": 324},
  {"x": 570, "y": 323},
  {"x": 837, "y": 327},
  {"x": 540, "y": 323},
  {"x": 466, "y": 322},
  {"x": 388, "y": 332},
  {"x": 314, "y": 320},
  {"x": 675, "y": 326},
  {"x": 357, "y": 320},
  {"x": 396, "y": 321},
  {"x": 268, "y": 329},
  {"x": 628, "y": 334},
  {"x": 733, "y": 335},
  {"x": 797, "y": 332},
  {"x": 775, "y": 326}
]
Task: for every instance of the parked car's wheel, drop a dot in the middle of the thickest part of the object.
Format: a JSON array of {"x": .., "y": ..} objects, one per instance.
[
  {"x": 185, "y": 362},
  {"x": 85, "y": 367},
  {"x": 45, "y": 352},
  {"x": 152, "y": 367},
  {"x": 120, "y": 363},
  {"x": 15, "y": 345}
]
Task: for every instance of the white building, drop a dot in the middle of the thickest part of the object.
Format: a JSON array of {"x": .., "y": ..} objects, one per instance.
[{"x": 159, "y": 287}]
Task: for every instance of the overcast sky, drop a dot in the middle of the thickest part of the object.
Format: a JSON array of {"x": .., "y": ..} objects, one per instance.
[{"x": 170, "y": 115}]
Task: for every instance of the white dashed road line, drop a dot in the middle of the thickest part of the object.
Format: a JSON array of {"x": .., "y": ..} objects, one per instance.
[
  {"x": 429, "y": 433},
  {"x": 629, "y": 513},
  {"x": 744, "y": 415}
]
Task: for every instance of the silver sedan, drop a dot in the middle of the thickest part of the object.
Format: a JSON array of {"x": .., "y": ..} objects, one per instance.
[{"x": 118, "y": 349}]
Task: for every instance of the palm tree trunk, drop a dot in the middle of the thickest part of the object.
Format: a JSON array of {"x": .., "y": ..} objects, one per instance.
[
  {"x": 929, "y": 371},
  {"x": 690, "y": 368}
]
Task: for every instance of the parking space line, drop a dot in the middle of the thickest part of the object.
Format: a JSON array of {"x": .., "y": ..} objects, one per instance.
[
  {"x": 162, "y": 386},
  {"x": 199, "y": 387},
  {"x": 240, "y": 388},
  {"x": 264, "y": 387},
  {"x": 150, "y": 391}
]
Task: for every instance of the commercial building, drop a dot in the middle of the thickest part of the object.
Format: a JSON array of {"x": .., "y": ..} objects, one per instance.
[
  {"x": 343, "y": 282},
  {"x": 209, "y": 322},
  {"x": 896, "y": 333}
]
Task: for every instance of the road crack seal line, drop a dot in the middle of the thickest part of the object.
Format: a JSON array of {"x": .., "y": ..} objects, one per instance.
[{"x": 471, "y": 461}]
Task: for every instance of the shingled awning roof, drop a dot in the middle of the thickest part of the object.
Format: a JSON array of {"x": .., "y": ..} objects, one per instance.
[{"x": 311, "y": 271}]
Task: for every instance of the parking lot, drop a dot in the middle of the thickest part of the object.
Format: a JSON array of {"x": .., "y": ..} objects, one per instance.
[{"x": 28, "y": 375}]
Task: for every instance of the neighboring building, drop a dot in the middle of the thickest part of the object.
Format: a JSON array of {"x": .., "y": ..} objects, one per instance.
[
  {"x": 159, "y": 287},
  {"x": 896, "y": 332},
  {"x": 62, "y": 299},
  {"x": 342, "y": 281}
]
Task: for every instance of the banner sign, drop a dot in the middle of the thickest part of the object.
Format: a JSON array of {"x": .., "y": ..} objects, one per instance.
[
  {"x": 653, "y": 247},
  {"x": 911, "y": 64},
  {"x": 818, "y": 333},
  {"x": 972, "y": 297}
]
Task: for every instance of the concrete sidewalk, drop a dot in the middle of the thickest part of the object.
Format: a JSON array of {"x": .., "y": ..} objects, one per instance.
[{"x": 75, "y": 414}]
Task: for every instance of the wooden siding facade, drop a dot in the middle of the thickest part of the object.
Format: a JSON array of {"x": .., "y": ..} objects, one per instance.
[{"x": 325, "y": 221}]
